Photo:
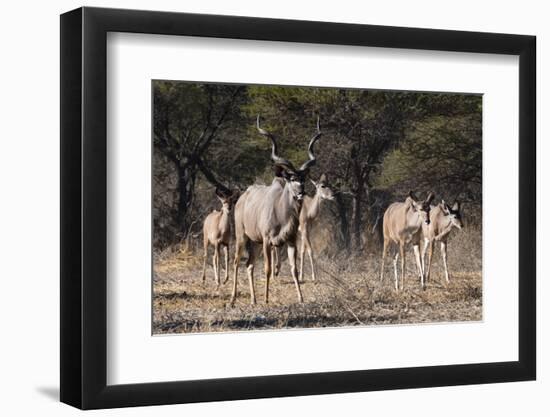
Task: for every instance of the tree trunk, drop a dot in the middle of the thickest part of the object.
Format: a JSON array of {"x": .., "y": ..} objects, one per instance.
[
  {"x": 357, "y": 205},
  {"x": 356, "y": 219},
  {"x": 186, "y": 187},
  {"x": 344, "y": 224},
  {"x": 369, "y": 219}
]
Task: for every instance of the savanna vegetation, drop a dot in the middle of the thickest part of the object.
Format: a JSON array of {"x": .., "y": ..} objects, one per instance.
[{"x": 375, "y": 147}]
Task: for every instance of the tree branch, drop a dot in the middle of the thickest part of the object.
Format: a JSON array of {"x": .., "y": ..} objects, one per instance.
[{"x": 209, "y": 175}]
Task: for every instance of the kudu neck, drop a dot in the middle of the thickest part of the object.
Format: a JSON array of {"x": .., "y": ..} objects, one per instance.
[
  {"x": 313, "y": 205},
  {"x": 289, "y": 200},
  {"x": 286, "y": 211},
  {"x": 224, "y": 219},
  {"x": 286, "y": 205},
  {"x": 415, "y": 217},
  {"x": 445, "y": 224}
]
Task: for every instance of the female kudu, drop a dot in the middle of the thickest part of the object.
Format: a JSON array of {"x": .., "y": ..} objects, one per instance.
[
  {"x": 443, "y": 218},
  {"x": 402, "y": 225},
  {"x": 217, "y": 232}
]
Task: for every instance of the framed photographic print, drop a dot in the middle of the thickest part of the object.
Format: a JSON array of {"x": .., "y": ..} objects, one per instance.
[{"x": 257, "y": 208}]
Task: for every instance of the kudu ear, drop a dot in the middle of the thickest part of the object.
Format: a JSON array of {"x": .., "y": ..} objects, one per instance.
[
  {"x": 221, "y": 197},
  {"x": 282, "y": 172},
  {"x": 235, "y": 194},
  {"x": 456, "y": 206},
  {"x": 430, "y": 197},
  {"x": 278, "y": 171},
  {"x": 445, "y": 207},
  {"x": 411, "y": 200},
  {"x": 323, "y": 178},
  {"x": 223, "y": 194}
]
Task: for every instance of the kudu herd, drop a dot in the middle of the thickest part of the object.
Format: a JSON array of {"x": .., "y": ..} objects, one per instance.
[
  {"x": 414, "y": 221},
  {"x": 272, "y": 216}
]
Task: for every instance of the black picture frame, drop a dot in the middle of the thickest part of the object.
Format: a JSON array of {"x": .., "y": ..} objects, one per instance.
[{"x": 84, "y": 207}]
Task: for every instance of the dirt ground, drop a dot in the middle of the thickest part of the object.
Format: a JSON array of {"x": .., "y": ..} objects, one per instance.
[{"x": 347, "y": 292}]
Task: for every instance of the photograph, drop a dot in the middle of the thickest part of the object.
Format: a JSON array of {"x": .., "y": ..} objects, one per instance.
[
  {"x": 307, "y": 204},
  {"x": 294, "y": 207}
]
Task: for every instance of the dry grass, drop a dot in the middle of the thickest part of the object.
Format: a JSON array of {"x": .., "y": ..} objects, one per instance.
[{"x": 347, "y": 292}]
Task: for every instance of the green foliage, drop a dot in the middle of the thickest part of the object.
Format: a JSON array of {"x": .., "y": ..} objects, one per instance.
[
  {"x": 440, "y": 153},
  {"x": 376, "y": 145}
]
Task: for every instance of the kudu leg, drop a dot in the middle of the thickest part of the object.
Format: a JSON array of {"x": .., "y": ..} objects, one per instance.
[
  {"x": 423, "y": 254},
  {"x": 275, "y": 262},
  {"x": 307, "y": 245},
  {"x": 302, "y": 252},
  {"x": 250, "y": 272},
  {"x": 216, "y": 262},
  {"x": 419, "y": 266},
  {"x": 444, "y": 256},
  {"x": 204, "y": 261},
  {"x": 430, "y": 246},
  {"x": 395, "y": 258},
  {"x": 402, "y": 254},
  {"x": 226, "y": 253},
  {"x": 384, "y": 252},
  {"x": 292, "y": 260},
  {"x": 239, "y": 246},
  {"x": 310, "y": 254},
  {"x": 267, "y": 267}
]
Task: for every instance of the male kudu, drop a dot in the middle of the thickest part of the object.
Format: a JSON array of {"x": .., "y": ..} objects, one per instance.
[{"x": 269, "y": 215}]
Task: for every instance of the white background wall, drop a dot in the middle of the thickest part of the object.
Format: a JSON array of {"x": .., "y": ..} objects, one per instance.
[{"x": 29, "y": 219}]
